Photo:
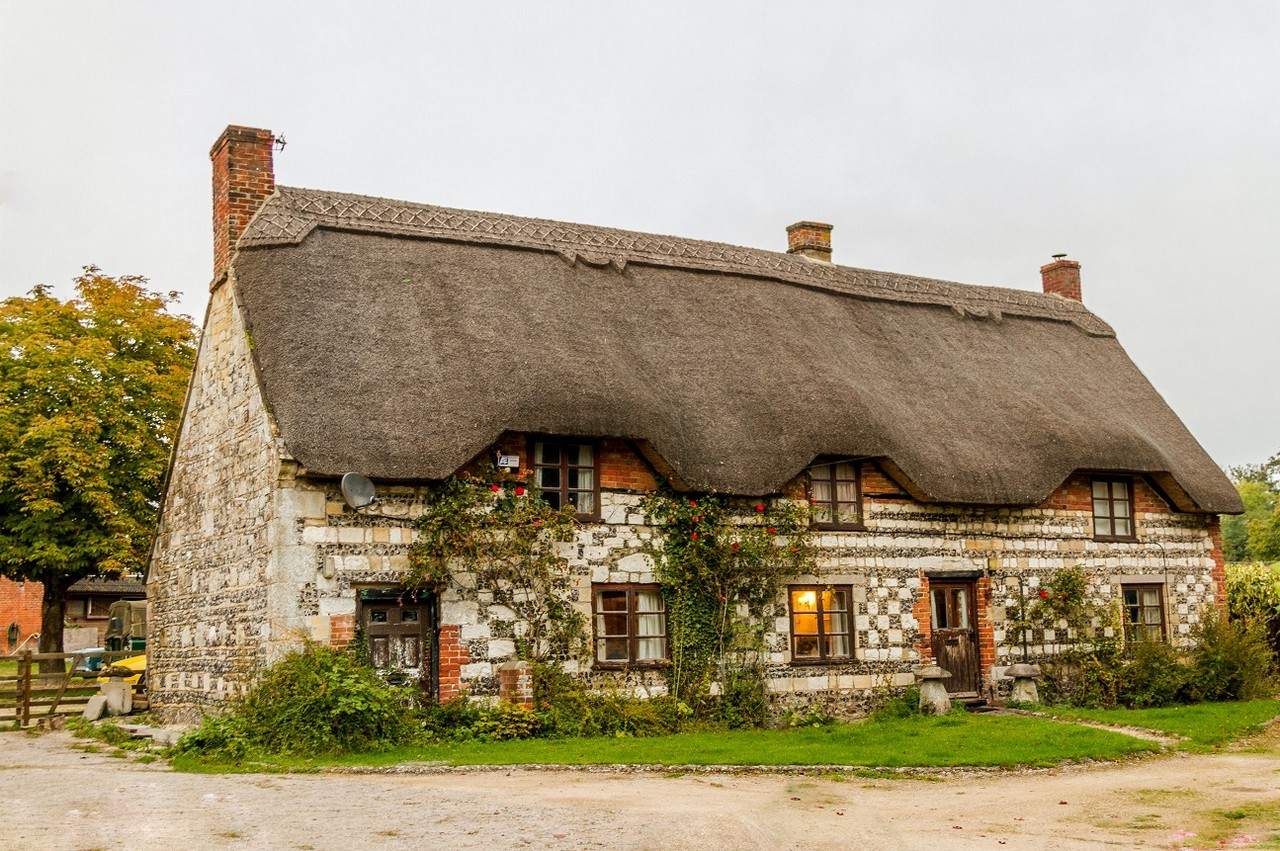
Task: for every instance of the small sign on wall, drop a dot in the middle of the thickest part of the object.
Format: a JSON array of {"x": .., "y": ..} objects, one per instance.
[{"x": 508, "y": 462}]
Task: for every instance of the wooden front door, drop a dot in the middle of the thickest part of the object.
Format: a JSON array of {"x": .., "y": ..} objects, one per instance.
[
  {"x": 954, "y": 638},
  {"x": 399, "y": 637}
]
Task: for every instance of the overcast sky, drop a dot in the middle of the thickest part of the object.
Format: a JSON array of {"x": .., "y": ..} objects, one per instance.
[{"x": 965, "y": 141}]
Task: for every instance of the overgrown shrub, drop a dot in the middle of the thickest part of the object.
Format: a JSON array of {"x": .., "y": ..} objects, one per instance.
[
  {"x": 742, "y": 703},
  {"x": 314, "y": 701},
  {"x": 461, "y": 720},
  {"x": 566, "y": 708},
  {"x": 1232, "y": 660},
  {"x": 896, "y": 704},
  {"x": 1152, "y": 675}
]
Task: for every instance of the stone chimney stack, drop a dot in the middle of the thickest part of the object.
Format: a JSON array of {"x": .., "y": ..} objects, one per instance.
[
  {"x": 1062, "y": 277},
  {"x": 812, "y": 239},
  {"x": 243, "y": 179}
]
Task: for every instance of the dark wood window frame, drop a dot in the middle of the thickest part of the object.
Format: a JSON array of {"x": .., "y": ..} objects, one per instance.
[
  {"x": 632, "y": 617},
  {"x": 1108, "y": 503},
  {"x": 97, "y": 608},
  {"x": 564, "y": 490},
  {"x": 820, "y": 612},
  {"x": 1136, "y": 630},
  {"x": 827, "y": 472}
]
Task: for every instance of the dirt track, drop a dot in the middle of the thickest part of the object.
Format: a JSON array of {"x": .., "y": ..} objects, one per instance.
[{"x": 56, "y": 797}]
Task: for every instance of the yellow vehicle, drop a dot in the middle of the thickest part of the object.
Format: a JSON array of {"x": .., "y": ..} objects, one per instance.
[{"x": 132, "y": 670}]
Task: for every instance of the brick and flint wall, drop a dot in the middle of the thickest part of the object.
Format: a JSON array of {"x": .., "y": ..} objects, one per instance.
[{"x": 320, "y": 554}]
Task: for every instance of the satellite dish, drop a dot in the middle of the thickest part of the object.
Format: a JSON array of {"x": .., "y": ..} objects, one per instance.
[{"x": 358, "y": 491}]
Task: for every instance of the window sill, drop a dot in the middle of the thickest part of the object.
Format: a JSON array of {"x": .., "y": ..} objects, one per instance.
[
  {"x": 630, "y": 666},
  {"x": 830, "y": 660},
  {"x": 1116, "y": 539},
  {"x": 840, "y": 527}
]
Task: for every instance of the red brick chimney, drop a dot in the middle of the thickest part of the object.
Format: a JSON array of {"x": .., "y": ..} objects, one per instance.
[
  {"x": 1062, "y": 277},
  {"x": 243, "y": 179},
  {"x": 812, "y": 239}
]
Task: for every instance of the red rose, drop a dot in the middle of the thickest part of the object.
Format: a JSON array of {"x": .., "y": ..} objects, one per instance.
[
  {"x": 537, "y": 523},
  {"x": 694, "y": 536},
  {"x": 693, "y": 503},
  {"x": 760, "y": 506},
  {"x": 1044, "y": 595},
  {"x": 772, "y": 531},
  {"x": 735, "y": 545},
  {"x": 519, "y": 491},
  {"x": 495, "y": 488}
]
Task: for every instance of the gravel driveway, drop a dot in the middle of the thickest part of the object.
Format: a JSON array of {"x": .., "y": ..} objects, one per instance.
[{"x": 57, "y": 797}]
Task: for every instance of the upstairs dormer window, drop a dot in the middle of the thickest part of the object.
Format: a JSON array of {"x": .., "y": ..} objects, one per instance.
[
  {"x": 1113, "y": 509},
  {"x": 564, "y": 473},
  {"x": 835, "y": 494}
]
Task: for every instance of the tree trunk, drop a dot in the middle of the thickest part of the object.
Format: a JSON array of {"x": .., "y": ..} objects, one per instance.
[{"x": 53, "y": 613}]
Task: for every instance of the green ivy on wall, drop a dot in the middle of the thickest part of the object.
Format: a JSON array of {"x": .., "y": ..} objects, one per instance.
[
  {"x": 486, "y": 531},
  {"x": 721, "y": 563}
]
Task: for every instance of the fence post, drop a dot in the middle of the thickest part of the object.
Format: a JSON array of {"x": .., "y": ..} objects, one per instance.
[{"x": 25, "y": 688}]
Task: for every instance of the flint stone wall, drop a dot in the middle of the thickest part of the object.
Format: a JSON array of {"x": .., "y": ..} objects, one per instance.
[
  {"x": 212, "y": 572},
  {"x": 253, "y": 558}
]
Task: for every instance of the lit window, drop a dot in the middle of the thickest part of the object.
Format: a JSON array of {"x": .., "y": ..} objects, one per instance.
[
  {"x": 820, "y": 623},
  {"x": 1113, "y": 509},
  {"x": 835, "y": 494},
  {"x": 564, "y": 473},
  {"x": 631, "y": 625},
  {"x": 1143, "y": 612}
]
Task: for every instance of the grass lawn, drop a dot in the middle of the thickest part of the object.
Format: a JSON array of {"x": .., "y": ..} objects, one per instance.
[
  {"x": 1205, "y": 725},
  {"x": 954, "y": 740}
]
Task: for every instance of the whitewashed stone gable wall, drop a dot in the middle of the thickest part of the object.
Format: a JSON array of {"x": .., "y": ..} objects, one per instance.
[{"x": 214, "y": 574}]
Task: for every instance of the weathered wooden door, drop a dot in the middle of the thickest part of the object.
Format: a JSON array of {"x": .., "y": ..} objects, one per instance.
[
  {"x": 955, "y": 635},
  {"x": 399, "y": 638}
]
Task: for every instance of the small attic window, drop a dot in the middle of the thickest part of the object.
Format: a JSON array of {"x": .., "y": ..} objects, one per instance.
[
  {"x": 1113, "y": 509},
  {"x": 564, "y": 473},
  {"x": 835, "y": 494}
]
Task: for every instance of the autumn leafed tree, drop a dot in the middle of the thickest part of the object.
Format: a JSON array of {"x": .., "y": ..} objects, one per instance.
[{"x": 91, "y": 391}]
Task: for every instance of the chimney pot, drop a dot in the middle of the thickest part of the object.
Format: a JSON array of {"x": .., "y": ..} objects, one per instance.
[
  {"x": 1061, "y": 277},
  {"x": 243, "y": 179},
  {"x": 810, "y": 239}
]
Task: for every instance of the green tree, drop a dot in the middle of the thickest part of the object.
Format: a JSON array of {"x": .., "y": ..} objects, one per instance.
[
  {"x": 91, "y": 390},
  {"x": 1259, "y": 506},
  {"x": 1256, "y": 533}
]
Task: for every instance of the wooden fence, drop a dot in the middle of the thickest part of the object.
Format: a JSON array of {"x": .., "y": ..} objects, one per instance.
[{"x": 28, "y": 695}]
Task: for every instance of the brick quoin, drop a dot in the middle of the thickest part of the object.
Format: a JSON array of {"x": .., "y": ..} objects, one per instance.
[
  {"x": 1219, "y": 571},
  {"x": 986, "y": 631},
  {"x": 453, "y": 655},
  {"x": 924, "y": 617}
]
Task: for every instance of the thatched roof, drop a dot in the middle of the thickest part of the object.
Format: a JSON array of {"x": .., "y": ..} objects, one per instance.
[{"x": 400, "y": 340}]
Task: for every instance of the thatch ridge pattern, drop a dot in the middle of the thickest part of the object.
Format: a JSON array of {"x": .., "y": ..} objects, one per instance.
[{"x": 292, "y": 213}]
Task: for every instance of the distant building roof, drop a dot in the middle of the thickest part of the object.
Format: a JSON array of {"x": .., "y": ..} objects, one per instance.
[{"x": 123, "y": 586}]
